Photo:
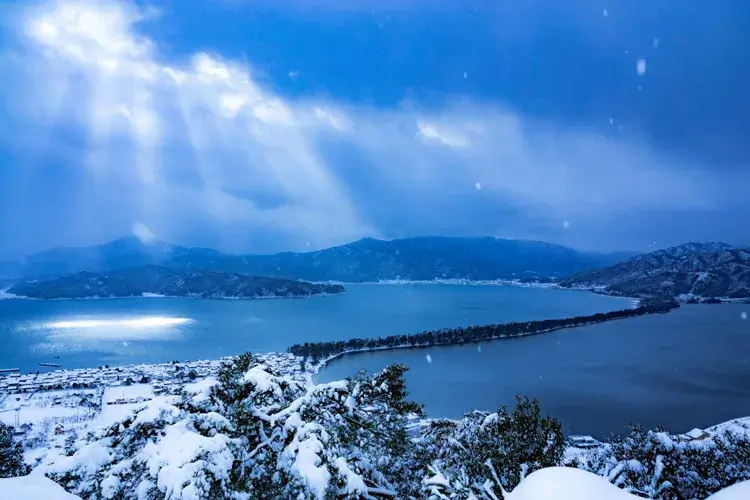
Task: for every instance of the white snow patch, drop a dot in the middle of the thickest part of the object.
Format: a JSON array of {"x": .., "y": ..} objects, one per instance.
[
  {"x": 89, "y": 459},
  {"x": 739, "y": 491},
  {"x": 261, "y": 378},
  {"x": 201, "y": 389},
  {"x": 640, "y": 67},
  {"x": 32, "y": 487},
  {"x": 181, "y": 455},
  {"x": 155, "y": 410},
  {"x": 131, "y": 398},
  {"x": 34, "y": 415},
  {"x": 565, "y": 483},
  {"x": 354, "y": 482},
  {"x": 306, "y": 464}
]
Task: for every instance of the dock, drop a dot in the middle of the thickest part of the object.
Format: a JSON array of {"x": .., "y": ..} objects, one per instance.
[
  {"x": 9, "y": 370},
  {"x": 52, "y": 365}
]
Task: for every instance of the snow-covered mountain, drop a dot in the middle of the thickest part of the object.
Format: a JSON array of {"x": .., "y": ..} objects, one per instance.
[{"x": 693, "y": 269}]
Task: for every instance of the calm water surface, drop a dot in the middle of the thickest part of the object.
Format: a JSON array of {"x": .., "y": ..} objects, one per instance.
[
  {"x": 681, "y": 370},
  {"x": 85, "y": 333}
]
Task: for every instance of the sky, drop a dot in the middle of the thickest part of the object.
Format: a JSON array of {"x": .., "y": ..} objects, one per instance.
[{"x": 257, "y": 126}]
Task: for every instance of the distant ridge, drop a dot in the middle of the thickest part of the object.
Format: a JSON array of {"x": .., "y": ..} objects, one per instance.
[
  {"x": 692, "y": 270},
  {"x": 163, "y": 281},
  {"x": 365, "y": 260}
]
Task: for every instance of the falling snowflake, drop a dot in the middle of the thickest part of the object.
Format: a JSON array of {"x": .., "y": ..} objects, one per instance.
[
  {"x": 566, "y": 224},
  {"x": 428, "y": 358},
  {"x": 640, "y": 66},
  {"x": 465, "y": 75},
  {"x": 743, "y": 315},
  {"x": 605, "y": 13},
  {"x": 611, "y": 120},
  {"x": 656, "y": 43},
  {"x": 125, "y": 344},
  {"x": 478, "y": 186},
  {"x": 479, "y": 348}
]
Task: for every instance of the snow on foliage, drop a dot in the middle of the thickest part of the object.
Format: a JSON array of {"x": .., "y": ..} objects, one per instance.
[
  {"x": 258, "y": 430},
  {"x": 485, "y": 453},
  {"x": 656, "y": 464},
  {"x": 251, "y": 433}
]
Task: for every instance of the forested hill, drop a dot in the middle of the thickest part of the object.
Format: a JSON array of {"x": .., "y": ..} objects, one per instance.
[
  {"x": 160, "y": 280},
  {"x": 366, "y": 260},
  {"x": 713, "y": 270}
]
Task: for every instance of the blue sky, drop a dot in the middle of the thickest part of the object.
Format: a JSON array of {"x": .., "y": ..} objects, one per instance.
[{"x": 259, "y": 126}]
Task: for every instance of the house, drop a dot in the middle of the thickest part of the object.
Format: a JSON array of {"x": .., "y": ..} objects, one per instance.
[
  {"x": 695, "y": 435},
  {"x": 59, "y": 429},
  {"x": 584, "y": 442}
]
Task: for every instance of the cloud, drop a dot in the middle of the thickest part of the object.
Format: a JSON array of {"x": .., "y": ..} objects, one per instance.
[{"x": 201, "y": 143}]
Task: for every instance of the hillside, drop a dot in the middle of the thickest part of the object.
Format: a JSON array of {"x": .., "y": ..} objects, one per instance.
[
  {"x": 169, "y": 282},
  {"x": 123, "y": 253},
  {"x": 695, "y": 269},
  {"x": 423, "y": 258}
]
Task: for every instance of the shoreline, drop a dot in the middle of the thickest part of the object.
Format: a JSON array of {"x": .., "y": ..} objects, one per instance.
[
  {"x": 318, "y": 365},
  {"x": 288, "y": 364},
  {"x": 149, "y": 296}
]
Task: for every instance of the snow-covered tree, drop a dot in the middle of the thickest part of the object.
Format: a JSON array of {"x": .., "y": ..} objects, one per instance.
[
  {"x": 654, "y": 464},
  {"x": 253, "y": 433},
  {"x": 491, "y": 451},
  {"x": 11, "y": 454}
]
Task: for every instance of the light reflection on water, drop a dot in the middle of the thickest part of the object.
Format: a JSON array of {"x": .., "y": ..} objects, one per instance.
[
  {"x": 105, "y": 334},
  {"x": 139, "y": 322}
]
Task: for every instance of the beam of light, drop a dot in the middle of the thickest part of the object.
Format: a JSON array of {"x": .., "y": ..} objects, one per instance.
[{"x": 140, "y": 322}]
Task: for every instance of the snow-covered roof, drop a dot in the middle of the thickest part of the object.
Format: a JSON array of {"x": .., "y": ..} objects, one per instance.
[{"x": 696, "y": 433}]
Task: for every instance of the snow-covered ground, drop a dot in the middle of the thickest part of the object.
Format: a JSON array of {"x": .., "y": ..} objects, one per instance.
[
  {"x": 120, "y": 401},
  {"x": 32, "y": 487}
]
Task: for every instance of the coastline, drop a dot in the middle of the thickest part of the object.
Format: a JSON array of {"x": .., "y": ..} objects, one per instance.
[
  {"x": 160, "y": 377},
  {"x": 148, "y": 295},
  {"x": 318, "y": 365}
]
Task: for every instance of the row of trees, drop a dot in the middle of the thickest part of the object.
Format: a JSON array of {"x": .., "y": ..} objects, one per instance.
[{"x": 316, "y": 351}]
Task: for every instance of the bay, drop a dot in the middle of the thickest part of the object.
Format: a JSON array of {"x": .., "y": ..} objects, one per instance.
[
  {"x": 87, "y": 333},
  {"x": 685, "y": 369}
]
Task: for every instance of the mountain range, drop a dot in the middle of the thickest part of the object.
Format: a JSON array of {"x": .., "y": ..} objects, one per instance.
[
  {"x": 422, "y": 258},
  {"x": 692, "y": 270},
  {"x": 158, "y": 280}
]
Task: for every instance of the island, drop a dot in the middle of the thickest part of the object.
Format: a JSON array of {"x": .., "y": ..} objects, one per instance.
[{"x": 163, "y": 281}]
